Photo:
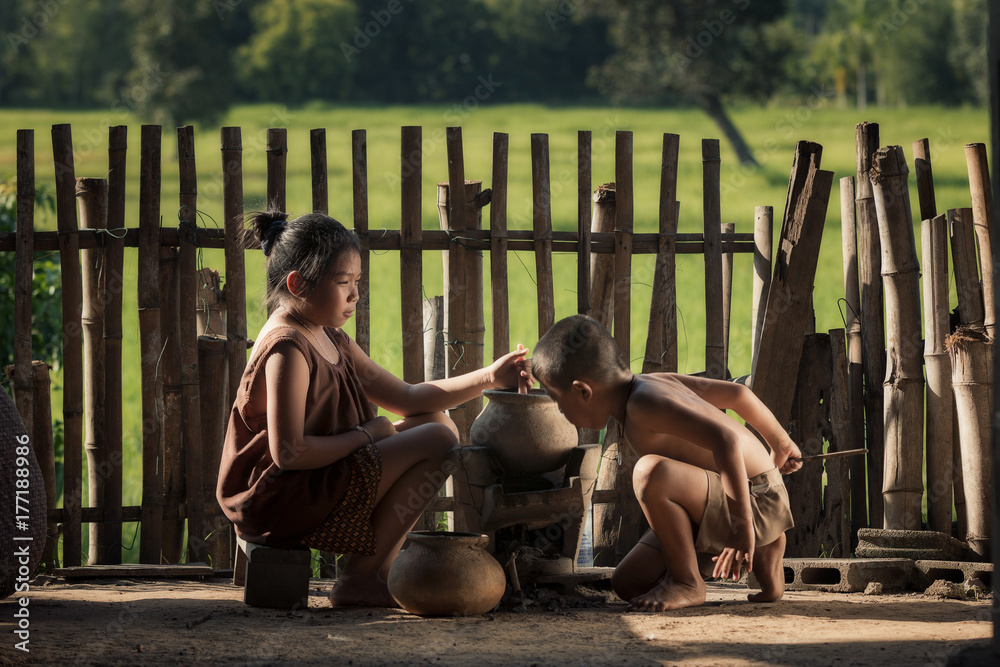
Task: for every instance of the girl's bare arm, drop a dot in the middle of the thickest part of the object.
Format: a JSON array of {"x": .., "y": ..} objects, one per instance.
[{"x": 402, "y": 398}]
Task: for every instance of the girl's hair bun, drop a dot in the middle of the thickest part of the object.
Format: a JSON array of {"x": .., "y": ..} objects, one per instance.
[{"x": 267, "y": 227}]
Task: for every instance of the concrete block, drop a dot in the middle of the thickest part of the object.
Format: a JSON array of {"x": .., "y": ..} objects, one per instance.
[
  {"x": 843, "y": 575},
  {"x": 929, "y": 571},
  {"x": 912, "y": 544},
  {"x": 273, "y": 578}
]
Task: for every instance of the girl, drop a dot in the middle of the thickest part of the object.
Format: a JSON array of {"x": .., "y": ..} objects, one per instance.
[{"x": 306, "y": 460}]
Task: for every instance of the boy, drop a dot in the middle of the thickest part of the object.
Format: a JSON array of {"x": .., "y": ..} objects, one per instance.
[{"x": 705, "y": 483}]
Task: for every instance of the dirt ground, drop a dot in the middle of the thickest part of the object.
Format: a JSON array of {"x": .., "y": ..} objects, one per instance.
[{"x": 158, "y": 622}]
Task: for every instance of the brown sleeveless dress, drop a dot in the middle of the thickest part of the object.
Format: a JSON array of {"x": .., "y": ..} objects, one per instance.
[{"x": 325, "y": 508}]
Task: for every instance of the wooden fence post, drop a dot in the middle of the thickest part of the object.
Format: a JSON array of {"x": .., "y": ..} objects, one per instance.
[
  {"x": 602, "y": 266},
  {"x": 982, "y": 212},
  {"x": 236, "y": 291},
  {"x": 541, "y": 196},
  {"x": 198, "y": 528},
  {"x": 584, "y": 169},
  {"x": 114, "y": 288},
  {"x": 715, "y": 365},
  {"x": 317, "y": 163},
  {"x": 359, "y": 160},
  {"x": 44, "y": 446},
  {"x": 904, "y": 381},
  {"x": 763, "y": 240},
  {"x": 213, "y": 372},
  {"x": 92, "y": 196},
  {"x": 69, "y": 256},
  {"x": 277, "y": 150},
  {"x": 661, "y": 340},
  {"x": 23, "y": 278},
  {"x": 151, "y": 540},
  {"x": 410, "y": 254},
  {"x": 498, "y": 247}
]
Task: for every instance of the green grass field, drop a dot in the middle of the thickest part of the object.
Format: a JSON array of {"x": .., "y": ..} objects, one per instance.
[{"x": 771, "y": 131}]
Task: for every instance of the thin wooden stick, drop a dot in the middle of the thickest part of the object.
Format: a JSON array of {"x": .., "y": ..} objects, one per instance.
[
  {"x": 92, "y": 196},
  {"x": 151, "y": 345},
  {"x": 904, "y": 381},
  {"x": 728, "y": 229},
  {"x": 715, "y": 364},
  {"x": 940, "y": 398},
  {"x": 498, "y": 247},
  {"x": 410, "y": 254},
  {"x": 114, "y": 284},
  {"x": 982, "y": 212},
  {"x": 542, "y": 226},
  {"x": 362, "y": 316},
  {"x": 23, "y": 278},
  {"x": 320, "y": 187},
  {"x": 69, "y": 258},
  {"x": 197, "y": 526}
]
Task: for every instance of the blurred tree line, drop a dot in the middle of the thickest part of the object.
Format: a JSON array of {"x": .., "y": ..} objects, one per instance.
[{"x": 190, "y": 60}]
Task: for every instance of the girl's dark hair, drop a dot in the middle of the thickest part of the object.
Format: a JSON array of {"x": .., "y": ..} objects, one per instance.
[{"x": 311, "y": 244}]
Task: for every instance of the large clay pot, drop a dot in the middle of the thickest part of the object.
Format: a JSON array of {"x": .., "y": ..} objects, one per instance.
[
  {"x": 446, "y": 574},
  {"x": 526, "y": 432}
]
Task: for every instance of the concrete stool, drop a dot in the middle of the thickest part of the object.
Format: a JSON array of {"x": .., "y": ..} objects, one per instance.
[{"x": 273, "y": 578}]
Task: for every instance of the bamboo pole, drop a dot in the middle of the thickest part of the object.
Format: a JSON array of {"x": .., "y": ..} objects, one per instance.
[
  {"x": 277, "y": 149},
  {"x": 972, "y": 363},
  {"x": 320, "y": 187},
  {"x": 236, "y": 292},
  {"x": 982, "y": 212},
  {"x": 873, "y": 356},
  {"x": 359, "y": 161},
  {"x": 498, "y": 247},
  {"x": 92, "y": 197},
  {"x": 584, "y": 170},
  {"x": 602, "y": 266},
  {"x": 69, "y": 257},
  {"x": 214, "y": 412},
  {"x": 855, "y": 386},
  {"x": 624, "y": 223},
  {"x": 151, "y": 541},
  {"x": 23, "y": 278},
  {"x": 475, "y": 333},
  {"x": 728, "y": 230},
  {"x": 44, "y": 447},
  {"x": 940, "y": 398},
  {"x": 410, "y": 254},
  {"x": 902, "y": 487},
  {"x": 114, "y": 287},
  {"x": 963, "y": 255},
  {"x": 763, "y": 242},
  {"x": 661, "y": 340},
  {"x": 197, "y": 526},
  {"x": 541, "y": 196},
  {"x": 715, "y": 365}
]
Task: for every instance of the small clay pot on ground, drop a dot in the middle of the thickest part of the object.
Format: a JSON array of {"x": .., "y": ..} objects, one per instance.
[{"x": 446, "y": 574}]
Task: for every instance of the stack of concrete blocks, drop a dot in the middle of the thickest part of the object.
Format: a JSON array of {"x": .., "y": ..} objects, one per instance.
[{"x": 893, "y": 559}]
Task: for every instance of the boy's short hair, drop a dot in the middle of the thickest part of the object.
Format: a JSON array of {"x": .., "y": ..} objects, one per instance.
[{"x": 575, "y": 347}]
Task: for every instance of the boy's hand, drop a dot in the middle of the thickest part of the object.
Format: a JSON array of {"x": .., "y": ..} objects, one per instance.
[
  {"x": 785, "y": 457},
  {"x": 736, "y": 556}
]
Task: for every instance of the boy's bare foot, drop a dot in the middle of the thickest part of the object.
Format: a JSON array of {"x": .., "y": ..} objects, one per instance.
[
  {"x": 770, "y": 572},
  {"x": 358, "y": 591},
  {"x": 667, "y": 595}
]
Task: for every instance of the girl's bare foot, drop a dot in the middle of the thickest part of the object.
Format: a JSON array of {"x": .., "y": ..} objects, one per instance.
[
  {"x": 667, "y": 595},
  {"x": 361, "y": 591},
  {"x": 770, "y": 572}
]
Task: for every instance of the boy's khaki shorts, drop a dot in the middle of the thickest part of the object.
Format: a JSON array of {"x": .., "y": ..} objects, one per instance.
[{"x": 772, "y": 515}]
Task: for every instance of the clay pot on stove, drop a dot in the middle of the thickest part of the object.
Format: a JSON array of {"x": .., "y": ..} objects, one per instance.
[
  {"x": 526, "y": 432},
  {"x": 446, "y": 574}
]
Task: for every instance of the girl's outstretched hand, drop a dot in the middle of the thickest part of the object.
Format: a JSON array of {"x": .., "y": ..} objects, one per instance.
[{"x": 505, "y": 371}]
